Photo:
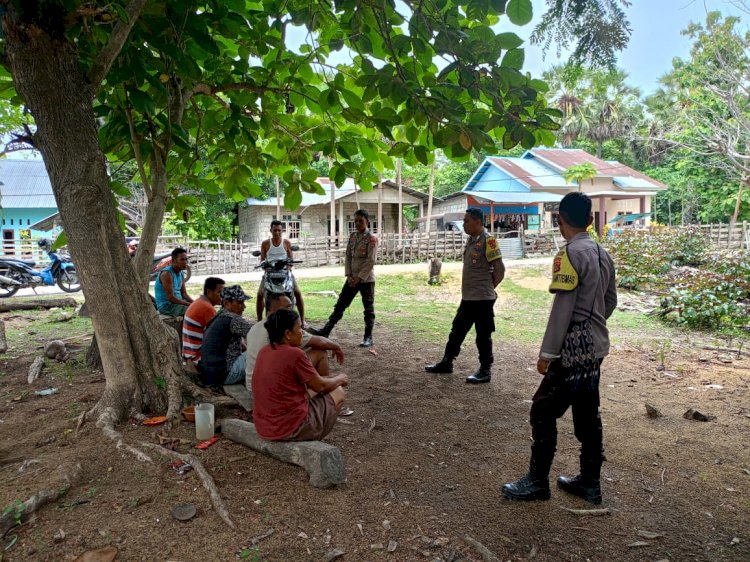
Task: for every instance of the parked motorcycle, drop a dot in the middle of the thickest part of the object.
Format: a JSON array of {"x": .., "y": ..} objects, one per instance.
[
  {"x": 161, "y": 261},
  {"x": 20, "y": 274},
  {"x": 278, "y": 277}
]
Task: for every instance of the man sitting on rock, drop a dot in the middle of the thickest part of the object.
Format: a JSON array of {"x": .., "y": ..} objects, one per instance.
[
  {"x": 291, "y": 401},
  {"x": 223, "y": 350},
  {"x": 316, "y": 347}
]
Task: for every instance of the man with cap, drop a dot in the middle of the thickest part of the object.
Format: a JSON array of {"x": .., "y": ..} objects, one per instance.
[
  {"x": 360, "y": 278},
  {"x": 223, "y": 350},
  {"x": 483, "y": 271}
]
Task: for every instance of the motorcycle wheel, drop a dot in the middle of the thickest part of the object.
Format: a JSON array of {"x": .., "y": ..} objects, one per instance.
[
  {"x": 7, "y": 290},
  {"x": 68, "y": 281}
]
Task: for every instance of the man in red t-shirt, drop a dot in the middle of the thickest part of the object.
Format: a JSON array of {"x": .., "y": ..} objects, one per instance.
[{"x": 197, "y": 316}]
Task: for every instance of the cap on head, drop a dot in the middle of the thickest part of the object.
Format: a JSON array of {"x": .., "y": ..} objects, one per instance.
[{"x": 234, "y": 293}]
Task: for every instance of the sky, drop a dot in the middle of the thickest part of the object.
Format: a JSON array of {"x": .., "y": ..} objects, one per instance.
[{"x": 655, "y": 40}]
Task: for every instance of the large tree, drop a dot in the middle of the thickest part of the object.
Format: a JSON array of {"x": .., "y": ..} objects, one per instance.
[{"x": 278, "y": 103}]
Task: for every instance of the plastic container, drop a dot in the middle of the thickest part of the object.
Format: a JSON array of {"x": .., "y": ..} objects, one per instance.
[{"x": 204, "y": 421}]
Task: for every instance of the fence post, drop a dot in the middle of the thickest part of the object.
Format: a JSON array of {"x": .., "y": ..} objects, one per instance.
[{"x": 744, "y": 235}]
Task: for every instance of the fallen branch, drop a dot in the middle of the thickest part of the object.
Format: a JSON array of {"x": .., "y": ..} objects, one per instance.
[
  {"x": 15, "y": 516},
  {"x": 35, "y": 370},
  {"x": 588, "y": 512},
  {"x": 64, "y": 302},
  {"x": 723, "y": 349},
  {"x": 486, "y": 553},
  {"x": 203, "y": 474}
]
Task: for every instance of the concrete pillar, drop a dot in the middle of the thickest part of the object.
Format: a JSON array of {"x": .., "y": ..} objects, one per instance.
[{"x": 602, "y": 214}]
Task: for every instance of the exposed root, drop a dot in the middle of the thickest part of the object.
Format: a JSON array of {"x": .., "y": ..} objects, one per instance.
[
  {"x": 82, "y": 420},
  {"x": 106, "y": 423},
  {"x": 203, "y": 474},
  {"x": 204, "y": 395},
  {"x": 15, "y": 516}
]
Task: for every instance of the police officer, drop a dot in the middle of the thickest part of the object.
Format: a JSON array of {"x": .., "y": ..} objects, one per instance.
[
  {"x": 483, "y": 271},
  {"x": 360, "y": 278}
]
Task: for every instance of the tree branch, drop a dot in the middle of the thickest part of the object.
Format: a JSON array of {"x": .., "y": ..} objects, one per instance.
[
  {"x": 135, "y": 140},
  {"x": 117, "y": 39}
]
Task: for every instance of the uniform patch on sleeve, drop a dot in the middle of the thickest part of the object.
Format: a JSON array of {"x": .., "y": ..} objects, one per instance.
[
  {"x": 492, "y": 250},
  {"x": 564, "y": 275}
]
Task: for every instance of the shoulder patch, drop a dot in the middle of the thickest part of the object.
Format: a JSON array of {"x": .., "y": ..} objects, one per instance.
[
  {"x": 564, "y": 275},
  {"x": 492, "y": 249}
]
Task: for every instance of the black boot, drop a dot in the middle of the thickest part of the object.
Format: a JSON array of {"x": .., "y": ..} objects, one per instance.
[
  {"x": 483, "y": 374},
  {"x": 534, "y": 485},
  {"x": 325, "y": 331},
  {"x": 445, "y": 365},
  {"x": 586, "y": 484}
]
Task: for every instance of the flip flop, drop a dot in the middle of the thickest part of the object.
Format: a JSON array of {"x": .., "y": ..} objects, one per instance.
[{"x": 346, "y": 412}]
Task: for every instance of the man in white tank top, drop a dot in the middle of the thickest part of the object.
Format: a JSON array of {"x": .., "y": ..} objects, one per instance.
[{"x": 276, "y": 248}]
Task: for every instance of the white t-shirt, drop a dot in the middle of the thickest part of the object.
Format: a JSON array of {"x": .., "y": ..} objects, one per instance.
[{"x": 257, "y": 339}]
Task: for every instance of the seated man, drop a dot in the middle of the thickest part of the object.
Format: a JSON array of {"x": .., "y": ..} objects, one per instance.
[
  {"x": 291, "y": 401},
  {"x": 276, "y": 248},
  {"x": 197, "y": 316},
  {"x": 171, "y": 296},
  {"x": 316, "y": 347},
  {"x": 222, "y": 352}
]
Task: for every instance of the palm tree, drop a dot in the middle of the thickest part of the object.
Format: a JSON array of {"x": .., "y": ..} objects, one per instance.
[{"x": 580, "y": 172}]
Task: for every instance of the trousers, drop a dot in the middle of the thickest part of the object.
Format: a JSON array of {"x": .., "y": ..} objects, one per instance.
[
  {"x": 550, "y": 402},
  {"x": 367, "y": 290},
  {"x": 481, "y": 315}
]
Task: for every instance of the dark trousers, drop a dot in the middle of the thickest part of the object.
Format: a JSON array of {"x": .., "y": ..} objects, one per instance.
[
  {"x": 480, "y": 315},
  {"x": 367, "y": 290},
  {"x": 551, "y": 401}
]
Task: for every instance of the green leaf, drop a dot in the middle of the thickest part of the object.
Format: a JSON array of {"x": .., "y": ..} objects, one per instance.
[
  {"x": 142, "y": 102},
  {"x": 352, "y": 99},
  {"x": 292, "y": 197},
  {"x": 513, "y": 59},
  {"x": 60, "y": 241},
  {"x": 420, "y": 152},
  {"x": 507, "y": 41},
  {"x": 519, "y": 12}
]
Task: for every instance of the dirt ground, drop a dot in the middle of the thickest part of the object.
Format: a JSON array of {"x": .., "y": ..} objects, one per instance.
[{"x": 426, "y": 456}]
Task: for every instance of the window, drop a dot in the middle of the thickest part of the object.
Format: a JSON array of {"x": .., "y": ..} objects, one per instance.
[
  {"x": 11, "y": 222},
  {"x": 352, "y": 229},
  {"x": 28, "y": 222},
  {"x": 292, "y": 225}
]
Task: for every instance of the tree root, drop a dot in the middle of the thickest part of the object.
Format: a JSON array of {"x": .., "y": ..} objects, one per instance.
[
  {"x": 203, "y": 474},
  {"x": 15, "y": 516},
  {"x": 106, "y": 423},
  {"x": 205, "y": 395}
]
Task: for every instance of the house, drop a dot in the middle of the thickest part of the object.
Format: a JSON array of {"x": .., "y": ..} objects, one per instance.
[
  {"x": 313, "y": 217},
  {"x": 25, "y": 199},
  {"x": 520, "y": 192}
]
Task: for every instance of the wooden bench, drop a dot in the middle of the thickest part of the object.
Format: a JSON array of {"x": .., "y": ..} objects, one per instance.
[{"x": 323, "y": 462}]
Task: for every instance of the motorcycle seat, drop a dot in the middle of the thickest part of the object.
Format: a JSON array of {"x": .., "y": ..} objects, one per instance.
[{"x": 30, "y": 263}]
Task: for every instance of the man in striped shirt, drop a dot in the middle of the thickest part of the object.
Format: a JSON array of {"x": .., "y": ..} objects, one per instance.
[{"x": 197, "y": 316}]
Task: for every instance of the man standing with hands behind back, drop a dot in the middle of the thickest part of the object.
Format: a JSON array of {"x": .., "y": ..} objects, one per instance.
[
  {"x": 360, "y": 278},
  {"x": 483, "y": 271}
]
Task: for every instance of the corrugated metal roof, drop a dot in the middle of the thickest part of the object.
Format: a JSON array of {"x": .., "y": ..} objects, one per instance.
[
  {"x": 345, "y": 190},
  {"x": 25, "y": 185},
  {"x": 561, "y": 159}
]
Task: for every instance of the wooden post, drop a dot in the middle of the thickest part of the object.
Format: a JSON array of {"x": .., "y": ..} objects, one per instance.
[
  {"x": 278, "y": 198},
  {"x": 744, "y": 235},
  {"x": 343, "y": 235},
  {"x": 400, "y": 198},
  {"x": 492, "y": 217},
  {"x": 333, "y": 211},
  {"x": 429, "y": 197},
  {"x": 603, "y": 215}
]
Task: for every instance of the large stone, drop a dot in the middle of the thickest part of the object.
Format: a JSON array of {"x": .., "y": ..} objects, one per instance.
[{"x": 323, "y": 462}]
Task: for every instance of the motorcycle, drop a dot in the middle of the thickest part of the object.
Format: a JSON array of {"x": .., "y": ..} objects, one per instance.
[
  {"x": 161, "y": 261},
  {"x": 278, "y": 277},
  {"x": 18, "y": 274}
]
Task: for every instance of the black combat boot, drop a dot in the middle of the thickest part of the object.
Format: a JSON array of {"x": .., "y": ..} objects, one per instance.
[
  {"x": 483, "y": 374},
  {"x": 586, "y": 484},
  {"x": 325, "y": 331},
  {"x": 445, "y": 365},
  {"x": 534, "y": 485}
]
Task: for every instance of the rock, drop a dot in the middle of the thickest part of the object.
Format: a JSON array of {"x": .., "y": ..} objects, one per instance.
[
  {"x": 323, "y": 462},
  {"x": 387, "y": 525},
  {"x": 56, "y": 349},
  {"x": 333, "y": 554},
  {"x": 59, "y": 536},
  {"x": 652, "y": 411},
  {"x": 376, "y": 546},
  {"x": 638, "y": 544},
  {"x": 103, "y": 554},
  {"x": 735, "y": 541},
  {"x": 184, "y": 512},
  {"x": 693, "y": 414},
  {"x": 392, "y": 545},
  {"x": 649, "y": 535}
]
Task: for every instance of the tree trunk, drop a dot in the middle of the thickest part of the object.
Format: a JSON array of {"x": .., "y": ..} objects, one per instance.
[
  {"x": 738, "y": 204},
  {"x": 599, "y": 149},
  {"x": 136, "y": 348}
]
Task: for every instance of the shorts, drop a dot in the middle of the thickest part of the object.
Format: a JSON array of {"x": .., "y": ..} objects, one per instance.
[{"x": 321, "y": 417}]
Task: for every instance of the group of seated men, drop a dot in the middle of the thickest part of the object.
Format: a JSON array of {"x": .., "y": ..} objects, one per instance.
[{"x": 295, "y": 397}]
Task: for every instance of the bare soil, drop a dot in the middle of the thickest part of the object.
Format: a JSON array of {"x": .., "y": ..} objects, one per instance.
[{"x": 426, "y": 457}]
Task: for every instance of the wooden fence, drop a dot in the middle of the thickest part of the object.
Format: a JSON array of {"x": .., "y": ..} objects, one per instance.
[{"x": 726, "y": 236}]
